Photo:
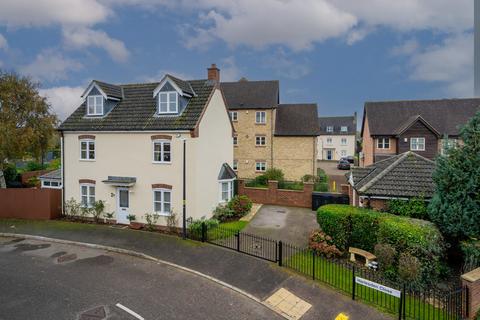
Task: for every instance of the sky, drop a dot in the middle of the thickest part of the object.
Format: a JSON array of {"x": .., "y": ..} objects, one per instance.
[{"x": 336, "y": 53}]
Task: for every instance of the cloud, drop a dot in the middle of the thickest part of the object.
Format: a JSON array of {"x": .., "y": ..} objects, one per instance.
[
  {"x": 50, "y": 65},
  {"x": 407, "y": 48},
  {"x": 450, "y": 63},
  {"x": 3, "y": 42},
  {"x": 284, "y": 66},
  {"x": 84, "y": 37},
  {"x": 161, "y": 73},
  {"x": 229, "y": 71},
  {"x": 63, "y": 100}
]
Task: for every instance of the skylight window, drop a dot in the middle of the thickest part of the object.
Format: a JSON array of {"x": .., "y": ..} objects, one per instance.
[{"x": 168, "y": 102}]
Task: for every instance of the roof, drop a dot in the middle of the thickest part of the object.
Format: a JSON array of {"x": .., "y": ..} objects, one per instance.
[
  {"x": 338, "y": 123},
  {"x": 55, "y": 174},
  {"x": 404, "y": 175},
  {"x": 446, "y": 116},
  {"x": 110, "y": 90},
  {"x": 120, "y": 181},
  {"x": 246, "y": 94},
  {"x": 183, "y": 85},
  {"x": 137, "y": 111},
  {"x": 226, "y": 172},
  {"x": 297, "y": 120}
]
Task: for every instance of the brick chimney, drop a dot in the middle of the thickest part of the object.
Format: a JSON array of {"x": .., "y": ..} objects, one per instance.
[{"x": 214, "y": 73}]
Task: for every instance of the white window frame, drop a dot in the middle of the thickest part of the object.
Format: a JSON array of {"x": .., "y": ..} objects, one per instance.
[
  {"x": 260, "y": 141},
  {"x": 229, "y": 190},
  {"x": 94, "y": 106},
  {"x": 167, "y": 94},
  {"x": 260, "y": 117},
  {"x": 47, "y": 183},
  {"x": 88, "y": 143},
  {"x": 88, "y": 195},
  {"x": 162, "y": 142},
  {"x": 343, "y": 141},
  {"x": 258, "y": 166},
  {"x": 381, "y": 142},
  {"x": 414, "y": 146},
  {"x": 162, "y": 201},
  {"x": 234, "y": 116},
  {"x": 343, "y": 128},
  {"x": 343, "y": 153},
  {"x": 329, "y": 128},
  {"x": 235, "y": 165},
  {"x": 329, "y": 141},
  {"x": 235, "y": 140}
]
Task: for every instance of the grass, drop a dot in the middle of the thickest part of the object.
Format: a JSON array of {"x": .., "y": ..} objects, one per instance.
[
  {"x": 339, "y": 276},
  {"x": 234, "y": 225}
]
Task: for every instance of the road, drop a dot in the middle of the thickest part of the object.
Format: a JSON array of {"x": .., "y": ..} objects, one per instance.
[{"x": 41, "y": 280}]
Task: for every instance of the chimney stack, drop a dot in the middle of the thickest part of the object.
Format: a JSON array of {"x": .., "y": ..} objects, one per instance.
[{"x": 214, "y": 73}]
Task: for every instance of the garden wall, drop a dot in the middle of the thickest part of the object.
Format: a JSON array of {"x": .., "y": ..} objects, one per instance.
[
  {"x": 275, "y": 196},
  {"x": 30, "y": 203},
  {"x": 472, "y": 281}
]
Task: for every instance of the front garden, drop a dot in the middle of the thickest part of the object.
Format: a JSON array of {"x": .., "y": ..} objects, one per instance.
[{"x": 320, "y": 182}]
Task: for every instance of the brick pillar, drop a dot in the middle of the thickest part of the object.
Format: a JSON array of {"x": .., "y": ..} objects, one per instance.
[
  {"x": 307, "y": 194},
  {"x": 344, "y": 188},
  {"x": 241, "y": 187},
  {"x": 471, "y": 280},
  {"x": 272, "y": 191}
]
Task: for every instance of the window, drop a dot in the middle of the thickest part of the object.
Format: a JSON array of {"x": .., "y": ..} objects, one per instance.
[
  {"x": 168, "y": 102},
  {"x": 87, "y": 149},
  {"x": 235, "y": 140},
  {"x": 226, "y": 190},
  {"x": 260, "y": 140},
  {"x": 234, "y": 115},
  {"x": 260, "y": 166},
  {"x": 87, "y": 194},
  {"x": 343, "y": 153},
  {"x": 329, "y": 128},
  {"x": 344, "y": 141},
  {"x": 343, "y": 128},
  {"x": 383, "y": 143},
  {"x": 162, "y": 201},
  {"x": 261, "y": 117},
  {"x": 329, "y": 140},
  {"x": 94, "y": 105},
  {"x": 417, "y": 144},
  {"x": 235, "y": 165},
  {"x": 162, "y": 151},
  {"x": 51, "y": 184}
]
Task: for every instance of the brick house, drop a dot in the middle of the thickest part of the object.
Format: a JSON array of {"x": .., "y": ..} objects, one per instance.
[
  {"x": 394, "y": 127},
  {"x": 402, "y": 176},
  {"x": 269, "y": 134}
]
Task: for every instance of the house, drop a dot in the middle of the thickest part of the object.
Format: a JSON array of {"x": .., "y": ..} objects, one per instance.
[
  {"x": 149, "y": 148},
  {"x": 51, "y": 180},
  {"x": 402, "y": 176},
  {"x": 338, "y": 137},
  {"x": 394, "y": 127},
  {"x": 269, "y": 134}
]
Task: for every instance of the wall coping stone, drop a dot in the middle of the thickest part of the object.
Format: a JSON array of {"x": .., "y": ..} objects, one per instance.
[{"x": 472, "y": 276}]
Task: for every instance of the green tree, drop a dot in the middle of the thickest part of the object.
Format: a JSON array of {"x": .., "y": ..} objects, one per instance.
[
  {"x": 455, "y": 206},
  {"x": 26, "y": 120}
]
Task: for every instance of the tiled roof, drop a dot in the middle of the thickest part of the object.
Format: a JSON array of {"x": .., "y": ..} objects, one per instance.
[
  {"x": 55, "y": 174},
  {"x": 137, "y": 111},
  {"x": 110, "y": 90},
  {"x": 446, "y": 116},
  {"x": 246, "y": 94},
  {"x": 337, "y": 123},
  {"x": 296, "y": 120},
  {"x": 226, "y": 173},
  {"x": 404, "y": 175},
  {"x": 183, "y": 85}
]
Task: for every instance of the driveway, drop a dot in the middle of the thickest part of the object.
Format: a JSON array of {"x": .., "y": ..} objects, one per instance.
[
  {"x": 289, "y": 224},
  {"x": 334, "y": 174}
]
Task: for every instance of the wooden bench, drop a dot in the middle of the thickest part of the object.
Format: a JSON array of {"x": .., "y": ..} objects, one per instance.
[{"x": 367, "y": 255}]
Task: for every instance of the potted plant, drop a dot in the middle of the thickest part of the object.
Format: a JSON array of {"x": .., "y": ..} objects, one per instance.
[{"x": 133, "y": 224}]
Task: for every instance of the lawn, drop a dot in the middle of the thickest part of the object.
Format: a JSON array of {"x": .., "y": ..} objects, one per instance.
[{"x": 226, "y": 230}]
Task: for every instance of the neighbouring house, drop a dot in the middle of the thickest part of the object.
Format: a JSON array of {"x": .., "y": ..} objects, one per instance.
[
  {"x": 51, "y": 180},
  {"x": 421, "y": 126},
  {"x": 269, "y": 134},
  {"x": 130, "y": 145},
  {"x": 338, "y": 137},
  {"x": 404, "y": 176}
]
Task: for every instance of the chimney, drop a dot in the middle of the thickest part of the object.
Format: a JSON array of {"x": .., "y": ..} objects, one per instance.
[{"x": 214, "y": 73}]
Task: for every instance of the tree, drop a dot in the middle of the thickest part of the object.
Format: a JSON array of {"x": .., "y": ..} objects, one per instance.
[
  {"x": 26, "y": 121},
  {"x": 455, "y": 206}
]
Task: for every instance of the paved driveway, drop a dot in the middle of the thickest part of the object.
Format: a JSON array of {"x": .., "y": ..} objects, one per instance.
[
  {"x": 334, "y": 174},
  {"x": 289, "y": 224}
]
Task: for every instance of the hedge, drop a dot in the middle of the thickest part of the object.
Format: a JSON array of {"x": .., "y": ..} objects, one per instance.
[{"x": 471, "y": 254}]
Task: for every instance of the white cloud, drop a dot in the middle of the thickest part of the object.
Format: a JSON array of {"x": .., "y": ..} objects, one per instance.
[
  {"x": 50, "y": 65},
  {"x": 284, "y": 66},
  {"x": 229, "y": 71},
  {"x": 85, "y": 37},
  {"x": 450, "y": 63},
  {"x": 407, "y": 48},
  {"x": 64, "y": 100},
  {"x": 3, "y": 42},
  {"x": 161, "y": 73}
]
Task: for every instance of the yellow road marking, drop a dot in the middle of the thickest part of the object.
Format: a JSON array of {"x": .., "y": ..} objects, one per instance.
[{"x": 341, "y": 316}]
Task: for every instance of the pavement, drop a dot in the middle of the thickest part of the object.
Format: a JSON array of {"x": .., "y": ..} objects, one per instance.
[
  {"x": 334, "y": 174},
  {"x": 255, "y": 276},
  {"x": 289, "y": 224},
  {"x": 45, "y": 280}
]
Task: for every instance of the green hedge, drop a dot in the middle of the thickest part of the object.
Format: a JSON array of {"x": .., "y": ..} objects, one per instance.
[{"x": 471, "y": 254}]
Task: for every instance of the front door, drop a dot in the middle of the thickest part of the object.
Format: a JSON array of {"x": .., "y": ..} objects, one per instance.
[
  {"x": 122, "y": 205},
  {"x": 329, "y": 154}
]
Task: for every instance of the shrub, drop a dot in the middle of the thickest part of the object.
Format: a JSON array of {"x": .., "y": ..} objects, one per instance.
[
  {"x": 10, "y": 173},
  {"x": 322, "y": 244},
  {"x": 413, "y": 208},
  {"x": 172, "y": 222},
  {"x": 97, "y": 210},
  {"x": 290, "y": 185},
  {"x": 33, "y": 182},
  {"x": 195, "y": 227},
  {"x": 471, "y": 254},
  {"x": 385, "y": 255},
  {"x": 152, "y": 219},
  {"x": 131, "y": 217},
  {"x": 321, "y": 175},
  {"x": 274, "y": 174},
  {"x": 321, "y": 187},
  {"x": 34, "y": 166},
  {"x": 223, "y": 213},
  {"x": 72, "y": 208},
  {"x": 240, "y": 205},
  {"x": 409, "y": 268}
]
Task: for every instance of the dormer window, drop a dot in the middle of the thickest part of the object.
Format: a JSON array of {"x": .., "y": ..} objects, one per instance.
[
  {"x": 95, "y": 105},
  {"x": 168, "y": 102},
  {"x": 329, "y": 128}
]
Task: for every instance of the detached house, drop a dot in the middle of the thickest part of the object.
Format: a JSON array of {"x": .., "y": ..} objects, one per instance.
[
  {"x": 338, "y": 137},
  {"x": 130, "y": 145},
  {"x": 269, "y": 134},
  {"x": 394, "y": 127}
]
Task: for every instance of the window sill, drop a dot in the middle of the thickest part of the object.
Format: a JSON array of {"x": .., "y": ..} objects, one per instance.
[
  {"x": 163, "y": 214},
  {"x": 87, "y": 160},
  {"x": 161, "y": 162},
  {"x": 260, "y": 146},
  {"x": 260, "y": 124}
]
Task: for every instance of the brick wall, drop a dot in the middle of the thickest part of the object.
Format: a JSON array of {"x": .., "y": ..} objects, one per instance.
[
  {"x": 275, "y": 196},
  {"x": 30, "y": 203},
  {"x": 472, "y": 281}
]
